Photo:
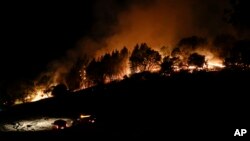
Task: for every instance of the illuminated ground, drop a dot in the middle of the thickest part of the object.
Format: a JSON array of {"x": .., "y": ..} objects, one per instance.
[{"x": 34, "y": 124}]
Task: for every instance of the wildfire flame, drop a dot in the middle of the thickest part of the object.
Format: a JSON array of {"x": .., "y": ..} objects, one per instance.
[
  {"x": 212, "y": 65},
  {"x": 39, "y": 92},
  {"x": 215, "y": 64}
]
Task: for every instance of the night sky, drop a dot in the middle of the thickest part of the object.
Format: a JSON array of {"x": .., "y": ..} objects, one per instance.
[{"x": 33, "y": 34}]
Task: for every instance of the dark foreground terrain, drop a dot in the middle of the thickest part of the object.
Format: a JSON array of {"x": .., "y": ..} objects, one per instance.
[{"x": 198, "y": 105}]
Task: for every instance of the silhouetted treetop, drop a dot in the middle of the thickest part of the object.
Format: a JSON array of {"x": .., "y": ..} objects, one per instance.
[
  {"x": 59, "y": 90},
  {"x": 110, "y": 66},
  {"x": 167, "y": 65},
  {"x": 196, "y": 59},
  {"x": 143, "y": 58}
]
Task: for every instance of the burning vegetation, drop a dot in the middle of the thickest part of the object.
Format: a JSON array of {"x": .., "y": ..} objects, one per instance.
[{"x": 190, "y": 54}]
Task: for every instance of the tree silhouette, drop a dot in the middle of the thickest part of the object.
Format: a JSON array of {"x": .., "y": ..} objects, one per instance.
[
  {"x": 107, "y": 64},
  {"x": 188, "y": 45},
  {"x": 109, "y": 67},
  {"x": 167, "y": 65},
  {"x": 177, "y": 57},
  {"x": 94, "y": 72},
  {"x": 176, "y": 53},
  {"x": 197, "y": 60},
  {"x": 143, "y": 58},
  {"x": 59, "y": 90},
  {"x": 75, "y": 77},
  {"x": 122, "y": 62}
]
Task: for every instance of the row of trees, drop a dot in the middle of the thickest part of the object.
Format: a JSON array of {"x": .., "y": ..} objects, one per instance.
[
  {"x": 113, "y": 66},
  {"x": 143, "y": 58}
]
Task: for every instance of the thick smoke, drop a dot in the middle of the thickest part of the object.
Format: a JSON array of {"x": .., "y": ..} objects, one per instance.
[{"x": 157, "y": 22}]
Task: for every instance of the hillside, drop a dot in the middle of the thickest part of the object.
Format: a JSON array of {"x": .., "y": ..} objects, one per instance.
[{"x": 211, "y": 103}]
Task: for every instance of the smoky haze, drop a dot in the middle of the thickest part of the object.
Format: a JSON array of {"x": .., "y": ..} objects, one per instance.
[{"x": 156, "y": 22}]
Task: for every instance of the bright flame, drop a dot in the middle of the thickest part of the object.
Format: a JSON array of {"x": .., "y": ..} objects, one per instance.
[
  {"x": 156, "y": 69},
  {"x": 213, "y": 62},
  {"x": 39, "y": 94},
  {"x": 191, "y": 67},
  {"x": 212, "y": 65}
]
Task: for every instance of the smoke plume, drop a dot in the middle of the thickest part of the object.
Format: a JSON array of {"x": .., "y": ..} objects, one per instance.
[{"x": 157, "y": 22}]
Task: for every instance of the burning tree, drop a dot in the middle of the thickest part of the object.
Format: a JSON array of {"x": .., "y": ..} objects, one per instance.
[
  {"x": 143, "y": 58},
  {"x": 187, "y": 46},
  {"x": 108, "y": 68},
  {"x": 115, "y": 65},
  {"x": 177, "y": 57},
  {"x": 76, "y": 77},
  {"x": 94, "y": 71}
]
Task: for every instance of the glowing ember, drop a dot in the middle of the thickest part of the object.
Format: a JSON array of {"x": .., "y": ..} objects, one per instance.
[
  {"x": 176, "y": 68},
  {"x": 191, "y": 67},
  {"x": 84, "y": 116},
  {"x": 156, "y": 69}
]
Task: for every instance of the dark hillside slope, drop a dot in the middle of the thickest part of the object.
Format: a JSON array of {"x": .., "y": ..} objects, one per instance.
[{"x": 209, "y": 103}]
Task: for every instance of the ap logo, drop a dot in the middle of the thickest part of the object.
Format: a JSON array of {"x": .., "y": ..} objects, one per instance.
[{"x": 240, "y": 132}]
